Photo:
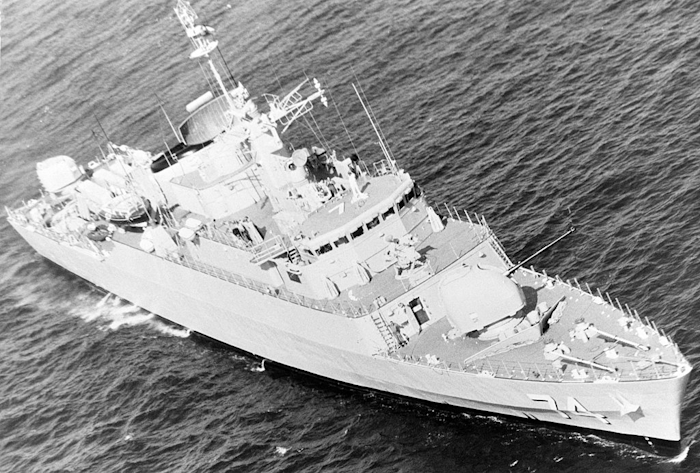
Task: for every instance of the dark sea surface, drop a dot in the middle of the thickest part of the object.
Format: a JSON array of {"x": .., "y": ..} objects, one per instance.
[{"x": 530, "y": 112}]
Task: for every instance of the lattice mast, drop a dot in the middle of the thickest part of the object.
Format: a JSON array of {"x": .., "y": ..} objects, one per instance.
[{"x": 202, "y": 41}]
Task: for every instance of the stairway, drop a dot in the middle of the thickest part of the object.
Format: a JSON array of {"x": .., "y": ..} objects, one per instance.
[
  {"x": 293, "y": 255},
  {"x": 268, "y": 250},
  {"x": 385, "y": 332}
]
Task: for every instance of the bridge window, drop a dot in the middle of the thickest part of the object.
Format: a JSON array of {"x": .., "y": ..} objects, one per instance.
[
  {"x": 325, "y": 249},
  {"x": 341, "y": 241},
  {"x": 411, "y": 194},
  {"x": 401, "y": 204},
  {"x": 357, "y": 233},
  {"x": 390, "y": 211},
  {"x": 373, "y": 223}
]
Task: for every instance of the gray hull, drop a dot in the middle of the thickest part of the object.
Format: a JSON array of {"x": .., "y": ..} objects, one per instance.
[{"x": 337, "y": 347}]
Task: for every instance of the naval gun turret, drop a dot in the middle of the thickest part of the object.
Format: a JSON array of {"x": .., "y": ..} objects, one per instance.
[{"x": 483, "y": 301}]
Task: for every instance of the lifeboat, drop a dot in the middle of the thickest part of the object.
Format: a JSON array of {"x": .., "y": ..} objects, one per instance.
[{"x": 127, "y": 208}]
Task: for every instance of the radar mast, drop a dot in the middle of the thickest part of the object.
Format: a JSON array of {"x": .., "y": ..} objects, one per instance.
[{"x": 202, "y": 43}]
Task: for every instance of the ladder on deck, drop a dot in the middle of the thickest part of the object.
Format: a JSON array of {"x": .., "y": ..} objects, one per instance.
[
  {"x": 269, "y": 249},
  {"x": 385, "y": 332},
  {"x": 293, "y": 255}
]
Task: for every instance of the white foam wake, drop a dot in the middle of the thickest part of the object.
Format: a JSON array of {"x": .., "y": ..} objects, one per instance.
[
  {"x": 281, "y": 451},
  {"x": 259, "y": 368},
  {"x": 681, "y": 456},
  {"x": 169, "y": 330},
  {"x": 113, "y": 313}
]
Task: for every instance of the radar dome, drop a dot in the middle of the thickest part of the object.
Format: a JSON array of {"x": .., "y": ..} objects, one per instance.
[
  {"x": 58, "y": 172},
  {"x": 300, "y": 156}
]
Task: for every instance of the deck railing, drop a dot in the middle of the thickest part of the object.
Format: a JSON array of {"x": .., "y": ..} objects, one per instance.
[
  {"x": 225, "y": 238},
  {"x": 70, "y": 238},
  {"x": 340, "y": 308},
  {"x": 532, "y": 371},
  {"x": 481, "y": 227}
]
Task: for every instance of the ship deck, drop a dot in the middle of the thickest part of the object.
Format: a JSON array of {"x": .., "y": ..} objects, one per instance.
[
  {"x": 439, "y": 250},
  {"x": 430, "y": 347},
  {"x": 528, "y": 362},
  {"x": 341, "y": 210}
]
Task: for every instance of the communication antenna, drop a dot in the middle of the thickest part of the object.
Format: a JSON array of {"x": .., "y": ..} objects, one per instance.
[
  {"x": 342, "y": 121},
  {"x": 109, "y": 142},
  {"x": 382, "y": 143},
  {"x": 97, "y": 141}
]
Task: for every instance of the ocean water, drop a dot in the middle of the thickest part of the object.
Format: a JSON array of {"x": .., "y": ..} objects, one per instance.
[{"x": 534, "y": 113}]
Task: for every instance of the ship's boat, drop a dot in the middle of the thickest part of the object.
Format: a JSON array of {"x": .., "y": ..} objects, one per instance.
[
  {"x": 338, "y": 266},
  {"x": 126, "y": 208}
]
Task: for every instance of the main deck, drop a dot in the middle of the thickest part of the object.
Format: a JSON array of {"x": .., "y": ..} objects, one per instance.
[{"x": 623, "y": 361}]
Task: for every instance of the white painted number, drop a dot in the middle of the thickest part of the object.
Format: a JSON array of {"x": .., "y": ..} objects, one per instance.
[{"x": 573, "y": 406}]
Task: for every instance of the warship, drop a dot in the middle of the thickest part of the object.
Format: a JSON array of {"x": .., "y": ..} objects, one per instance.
[{"x": 336, "y": 265}]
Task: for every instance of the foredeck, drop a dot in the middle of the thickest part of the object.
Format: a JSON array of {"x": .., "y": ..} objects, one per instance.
[{"x": 528, "y": 362}]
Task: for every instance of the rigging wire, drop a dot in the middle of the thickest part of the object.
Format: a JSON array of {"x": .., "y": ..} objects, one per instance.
[
  {"x": 319, "y": 136},
  {"x": 168, "y": 152},
  {"x": 271, "y": 67},
  {"x": 381, "y": 133},
  {"x": 231, "y": 78},
  {"x": 97, "y": 141},
  {"x": 308, "y": 125},
  {"x": 323, "y": 140},
  {"x": 330, "y": 143},
  {"x": 177, "y": 135},
  {"x": 376, "y": 131},
  {"x": 326, "y": 144},
  {"x": 210, "y": 84},
  {"x": 385, "y": 144},
  {"x": 110, "y": 148},
  {"x": 343, "y": 122}
]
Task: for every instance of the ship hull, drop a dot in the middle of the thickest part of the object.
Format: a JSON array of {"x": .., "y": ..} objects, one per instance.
[{"x": 336, "y": 347}]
